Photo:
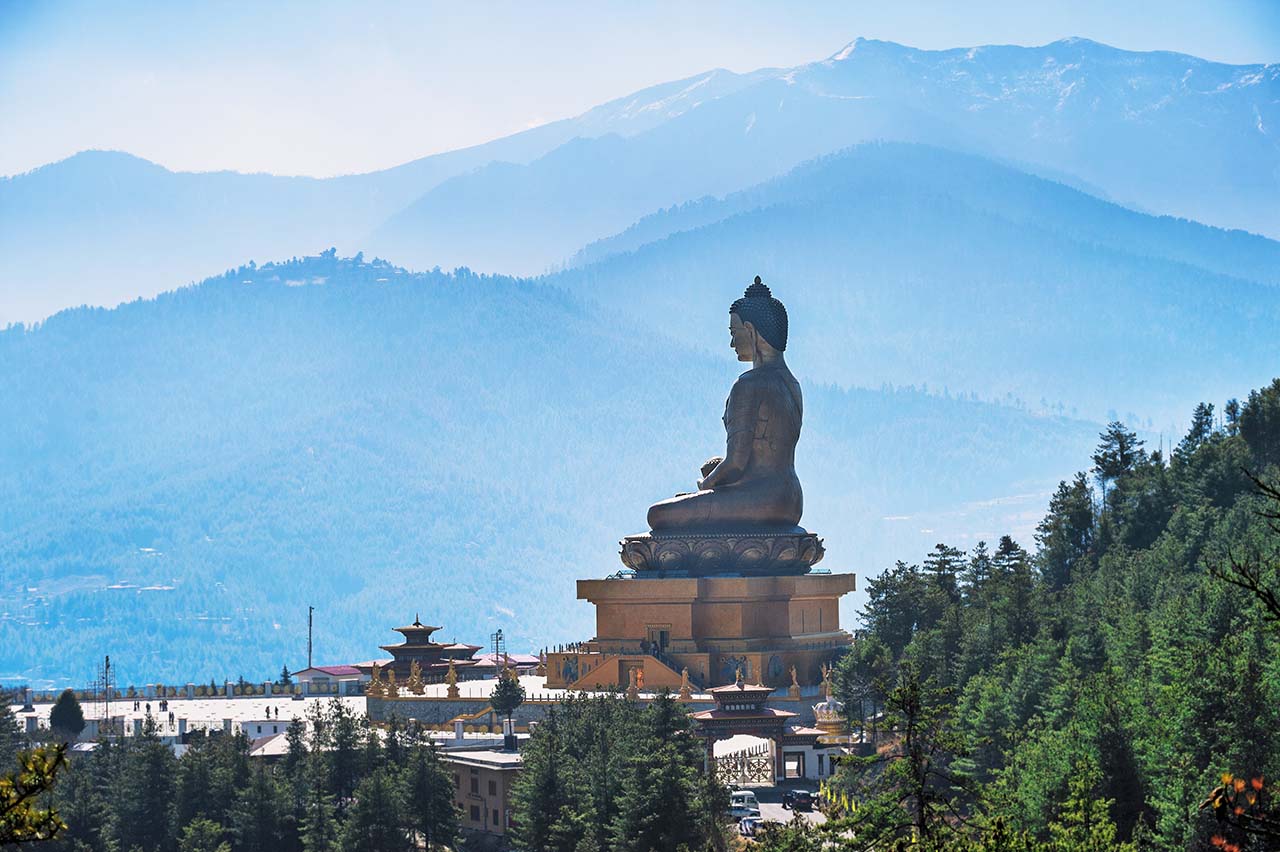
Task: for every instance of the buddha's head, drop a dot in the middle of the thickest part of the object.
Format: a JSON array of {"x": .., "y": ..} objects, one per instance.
[{"x": 757, "y": 323}]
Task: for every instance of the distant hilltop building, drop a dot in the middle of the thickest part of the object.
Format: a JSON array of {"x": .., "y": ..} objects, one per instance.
[{"x": 433, "y": 658}]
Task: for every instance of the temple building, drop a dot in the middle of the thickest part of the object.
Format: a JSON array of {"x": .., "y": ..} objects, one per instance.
[
  {"x": 787, "y": 750},
  {"x": 432, "y": 657}
]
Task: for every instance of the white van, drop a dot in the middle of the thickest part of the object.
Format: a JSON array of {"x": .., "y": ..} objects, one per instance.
[{"x": 743, "y": 803}]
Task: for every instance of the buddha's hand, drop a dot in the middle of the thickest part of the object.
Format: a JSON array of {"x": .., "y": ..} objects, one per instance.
[{"x": 707, "y": 467}]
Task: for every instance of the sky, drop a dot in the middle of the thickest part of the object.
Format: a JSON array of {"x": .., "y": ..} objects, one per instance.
[{"x": 321, "y": 88}]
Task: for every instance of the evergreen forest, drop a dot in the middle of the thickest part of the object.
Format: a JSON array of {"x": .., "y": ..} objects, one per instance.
[
  {"x": 341, "y": 785},
  {"x": 1115, "y": 687}
]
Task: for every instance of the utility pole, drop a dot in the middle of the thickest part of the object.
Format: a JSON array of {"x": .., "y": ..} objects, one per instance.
[
  {"x": 499, "y": 649},
  {"x": 103, "y": 686},
  {"x": 310, "y": 610}
]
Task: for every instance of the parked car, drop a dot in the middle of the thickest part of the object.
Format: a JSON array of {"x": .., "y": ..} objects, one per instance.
[
  {"x": 799, "y": 800},
  {"x": 748, "y": 826},
  {"x": 743, "y": 803}
]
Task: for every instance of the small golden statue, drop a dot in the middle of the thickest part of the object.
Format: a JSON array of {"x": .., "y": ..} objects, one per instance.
[
  {"x": 373, "y": 689},
  {"x": 416, "y": 686},
  {"x": 451, "y": 678},
  {"x": 794, "y": 690},
  {"x": 392, "y": 691},
  {"x": 633, "y": 690},
  {"x": 541, "y": 670},
  {"x": 826, "y": 680},
  {"x": 686, "y": 692}
]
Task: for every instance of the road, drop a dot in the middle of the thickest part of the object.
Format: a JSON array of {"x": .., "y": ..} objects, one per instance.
[{"x": 771, "y": 809}]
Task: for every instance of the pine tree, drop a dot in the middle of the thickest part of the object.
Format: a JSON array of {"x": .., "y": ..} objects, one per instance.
[
  {"x": 429, "y": 807},
  {"x": 1015, "y": 584},
  {"x": 654, "y": 802},
  {"x": 295, "y": 758},
  {"x": 375, "y": 820},
  {"x": 918, "y": 775},
  {"x": 1065, "y": 536},
  {"x": 507, "y": 695},
  {"x": 1231, "y": 413},
  {"x": 12, "y": 740},
  {"x": 1084, "y": 822},
  {"x": 24, "y": 817},
  {"x": 66, "y": 718},
  {"x": 143, "y": 798},
  {"x": 203, "y": 835},
  {"x": 942, "y": 568},
  {"x": 1260, "y": 425},
  {"x": 1117, "y": 454},
  {"x": 894, "y": 603},
  {"x": 81, "y": 801},
  {"x": 255, "y": 822},
  {"x": 320, "y": 830},
  {"x": 1200, "y": 432}
]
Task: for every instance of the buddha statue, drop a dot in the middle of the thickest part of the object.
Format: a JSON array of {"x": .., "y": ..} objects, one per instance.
[
  {"x": 743, "y": 518},
  {"x": 754, "y": 485}
]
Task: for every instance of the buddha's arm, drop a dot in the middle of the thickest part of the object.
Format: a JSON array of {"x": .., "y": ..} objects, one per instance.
[{"x": 740, "y": 424}]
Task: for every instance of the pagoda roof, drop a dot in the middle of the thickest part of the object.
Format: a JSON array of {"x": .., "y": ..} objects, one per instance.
[
  {"x": 763, "y": 714},
  {"x": 417, "y": 627},
  {"x": 368, "y": 664},
  {"x": 804, "y": 731},
  {"x": 746, "y": 691}
]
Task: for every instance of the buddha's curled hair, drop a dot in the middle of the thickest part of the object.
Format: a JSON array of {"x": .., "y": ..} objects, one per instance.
[{"x": 758, "y": 307}]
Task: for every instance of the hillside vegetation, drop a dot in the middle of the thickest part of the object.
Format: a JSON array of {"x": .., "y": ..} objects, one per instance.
[{"x": 1113, "y": 673}]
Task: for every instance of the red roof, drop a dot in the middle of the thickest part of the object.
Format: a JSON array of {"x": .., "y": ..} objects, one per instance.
[{"x": 336, "y": 671}]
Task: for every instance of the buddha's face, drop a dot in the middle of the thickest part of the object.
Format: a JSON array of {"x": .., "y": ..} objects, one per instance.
[{"x": 742, "y": 337}]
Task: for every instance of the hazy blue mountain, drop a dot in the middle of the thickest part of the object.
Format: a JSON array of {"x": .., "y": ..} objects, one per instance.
[
  {"x": 104, "y": 226},
  {"x": 916, "y": 265},
  {"x": 1161, "y": 131},
  {"x": 180, "y": 477},
  {"x": 984, "y": 185}
]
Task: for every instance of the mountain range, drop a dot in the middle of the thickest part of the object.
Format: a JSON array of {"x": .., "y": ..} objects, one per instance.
[
  {"x": 1163, "y": 132},
  {"x": 914, "y": 265}
]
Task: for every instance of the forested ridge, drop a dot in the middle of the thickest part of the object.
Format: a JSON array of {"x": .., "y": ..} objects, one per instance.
[
  {"x": 917, "y": 265},
  {"x": 1108, "y": 677}
]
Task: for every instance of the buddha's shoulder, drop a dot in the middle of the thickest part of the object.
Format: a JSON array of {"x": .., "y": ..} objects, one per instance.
[{"x": 759, "y": 377}]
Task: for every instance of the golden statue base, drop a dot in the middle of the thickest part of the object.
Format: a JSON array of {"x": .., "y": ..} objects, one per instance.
[{"x": 713, "y": 626}]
